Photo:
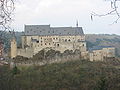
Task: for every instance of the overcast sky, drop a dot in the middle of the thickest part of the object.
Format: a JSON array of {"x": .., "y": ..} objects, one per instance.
[{"x": 59, "y": 13}]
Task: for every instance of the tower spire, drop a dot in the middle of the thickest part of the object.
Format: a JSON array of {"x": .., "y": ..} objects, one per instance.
[{"x": 77, "y": 23}]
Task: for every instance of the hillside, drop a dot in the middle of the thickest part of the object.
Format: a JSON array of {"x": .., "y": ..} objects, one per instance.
[
  {"x": 72, "y": 75},
  {"x": 104, "y": 39}
]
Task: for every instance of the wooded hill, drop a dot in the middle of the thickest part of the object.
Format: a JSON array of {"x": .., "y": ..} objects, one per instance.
[
  {"x": 71, "y": 75},
  {"x": 104, "y": 40}
]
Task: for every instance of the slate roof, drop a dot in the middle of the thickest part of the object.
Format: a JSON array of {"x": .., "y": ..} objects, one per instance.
[
  {"x": 99, "y": 47},
  {"x": 46, "y": 30}
]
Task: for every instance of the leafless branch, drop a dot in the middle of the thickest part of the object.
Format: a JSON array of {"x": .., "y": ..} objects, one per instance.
[
  {"x": 114, "y": 11},
  {"x": 6, "y": 11}
]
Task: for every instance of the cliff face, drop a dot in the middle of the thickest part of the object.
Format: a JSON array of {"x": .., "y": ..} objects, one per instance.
[{"x": 104, "y": 39}]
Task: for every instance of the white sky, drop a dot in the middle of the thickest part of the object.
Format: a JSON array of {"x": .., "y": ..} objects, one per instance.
[{"x": 65, "y": 13}]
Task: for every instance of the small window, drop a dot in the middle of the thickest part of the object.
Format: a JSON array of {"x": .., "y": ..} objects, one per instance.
[
  {"x": 58, "y": 45},
  {"x": 37, "y": 41},
  {"x": 69, "y": 40},
  {"x": 49, "y": 43},
  {"x": 41, "y": 44},
  {"x": 45, "y": 44},
  {"x": 65, "y": 40}
]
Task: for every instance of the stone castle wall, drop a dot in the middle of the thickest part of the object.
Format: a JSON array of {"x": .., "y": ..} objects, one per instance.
[
  {"x": 56, "y": 59},
  {"x": 28, "y": 52}
]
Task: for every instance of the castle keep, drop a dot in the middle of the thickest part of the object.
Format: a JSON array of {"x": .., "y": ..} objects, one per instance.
[{"x": 38, "y": 37}]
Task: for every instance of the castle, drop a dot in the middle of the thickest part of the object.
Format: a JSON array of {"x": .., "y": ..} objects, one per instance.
[{"x": 38, "y": 37}]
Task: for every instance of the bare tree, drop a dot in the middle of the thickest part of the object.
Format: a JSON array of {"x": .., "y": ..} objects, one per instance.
[
  {"x": 114, "y": 11},
  {"x": 6, "y": 11}
]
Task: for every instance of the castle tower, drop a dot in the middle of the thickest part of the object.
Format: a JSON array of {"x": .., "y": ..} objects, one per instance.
[{"x": 13, "y": 51}]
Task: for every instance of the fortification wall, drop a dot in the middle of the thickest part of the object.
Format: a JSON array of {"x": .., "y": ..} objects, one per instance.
[
  {"x": 56, "y": 59},
  {"x": 28, "y": 52}
]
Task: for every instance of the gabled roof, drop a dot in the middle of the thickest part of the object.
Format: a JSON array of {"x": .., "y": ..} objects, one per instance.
[{"x": 46, "y": 30}]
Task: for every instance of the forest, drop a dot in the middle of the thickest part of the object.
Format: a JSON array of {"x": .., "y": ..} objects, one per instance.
[{"x": 71, "y": 75}]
